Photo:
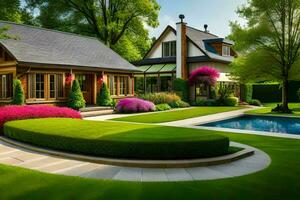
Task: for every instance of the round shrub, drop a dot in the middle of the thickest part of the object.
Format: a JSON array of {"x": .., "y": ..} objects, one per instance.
[
  {"x": 11, "y": 113},
  {"x": 110, "y": 139},
  {"x": 182, "y": 104},
  {"x": 162, "y": 107},
  {"x": 134, "y": 105},
  {"x": 254, "y": 102},
  {"x": 231, "y": 101}
]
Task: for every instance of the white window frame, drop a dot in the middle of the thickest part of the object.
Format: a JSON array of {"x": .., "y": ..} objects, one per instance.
[{"x": 225, "y": 50}]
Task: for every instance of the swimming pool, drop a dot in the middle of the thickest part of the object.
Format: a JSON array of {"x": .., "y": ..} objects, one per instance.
[{"x": 287, "y": 125}]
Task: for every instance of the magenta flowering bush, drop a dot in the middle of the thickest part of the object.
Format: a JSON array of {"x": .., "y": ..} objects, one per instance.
[
  {"x": 206, "y": 75},
  {"x": 133, "y": 105},
  {"x": 11, "y": 113}
]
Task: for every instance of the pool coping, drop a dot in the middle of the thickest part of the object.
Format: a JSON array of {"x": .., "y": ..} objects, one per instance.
[{"x": 183, "y": 163}]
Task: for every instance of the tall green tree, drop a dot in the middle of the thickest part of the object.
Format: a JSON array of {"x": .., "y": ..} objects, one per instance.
[
  {"x": 269, "y": 44},
  {"x": 120, "y": 24},
  {"x": 18, "y": 93},
  {"x": 12, "y": 10}
]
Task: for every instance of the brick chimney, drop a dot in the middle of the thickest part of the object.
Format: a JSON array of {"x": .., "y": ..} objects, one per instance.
[{"x": 181, "y": 49}]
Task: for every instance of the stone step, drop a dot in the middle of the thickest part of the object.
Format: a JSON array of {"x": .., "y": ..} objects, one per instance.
[
  {"x": 94, "y": 108},
  {"x": 97, "y": 113}
]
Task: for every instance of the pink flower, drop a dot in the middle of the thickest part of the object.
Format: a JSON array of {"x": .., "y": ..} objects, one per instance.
[
  {"x": 11, "y": 113},
  {"x": 132, "y": 105},
  {"x": 205, "y": 74}
]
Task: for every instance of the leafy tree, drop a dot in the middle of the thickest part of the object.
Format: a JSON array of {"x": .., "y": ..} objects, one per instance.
[
  {"x": 270, "y": 43},
  {"x": 11, "y": 10},
  {"x": 76, "y": 100},
  {"x": 118, "y": 23},
  {"x": 103, "y": 98},
  {"x": 18, "y": 93}
]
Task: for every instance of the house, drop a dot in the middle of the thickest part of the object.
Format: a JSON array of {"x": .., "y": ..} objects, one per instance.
[
  {"x": 46, "y": 61},
  {"x": 178, "y": 52}
]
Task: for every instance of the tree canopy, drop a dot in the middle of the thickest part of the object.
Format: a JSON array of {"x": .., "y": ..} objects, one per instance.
[
  {"x": 12, "y": 10},
  {"x": 269, "y": 44},
  {"x": 119, "y": 24}
]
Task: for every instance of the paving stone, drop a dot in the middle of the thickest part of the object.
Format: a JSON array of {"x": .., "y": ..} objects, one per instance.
[
  {"x": 103, "y": 171},
  {"x": 10, "y": 161},
  {"x": 129, "y": 174},
  {"x": 42, "y": 161},
  {"x": 154, "y": 175},
  {"x": 81, "y": 169},
  {"x": 178, "y": 174},
  {"x": 205, "y": 173},
  {"x": 60, "y": 165}
]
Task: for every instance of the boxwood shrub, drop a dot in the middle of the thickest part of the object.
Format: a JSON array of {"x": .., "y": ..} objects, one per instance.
[
  {"x": 115, "y": 140},
  {"x": 163, "y": 107},
  {"x": 231, "y": 101}
]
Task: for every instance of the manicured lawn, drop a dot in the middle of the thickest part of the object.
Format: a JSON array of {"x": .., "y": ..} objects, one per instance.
[
  {"x": 116, "y": 139},
  {"x": 269, "y": 106},
  {"x": 160, "y": 117},
  {"x": 279, "y": 181}
]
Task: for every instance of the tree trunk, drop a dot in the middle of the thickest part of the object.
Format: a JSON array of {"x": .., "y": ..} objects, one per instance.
[{"x": 285, "y": 106}]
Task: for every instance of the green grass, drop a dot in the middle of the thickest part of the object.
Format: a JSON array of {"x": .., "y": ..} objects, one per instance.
[
  {"x": 176, "y": 115},
  {"x": 118, "y": 140},
  {"x": 269, "y": 106},
  {"x": 279, "y": 181}
]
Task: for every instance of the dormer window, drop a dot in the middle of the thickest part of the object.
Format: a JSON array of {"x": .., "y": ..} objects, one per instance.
[
  {"x": 225, "y": 50},
  {"x": 169, "y": 49}
]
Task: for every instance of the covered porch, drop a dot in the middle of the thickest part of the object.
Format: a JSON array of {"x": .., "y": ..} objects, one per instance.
[{"x": 155, "y": 78}]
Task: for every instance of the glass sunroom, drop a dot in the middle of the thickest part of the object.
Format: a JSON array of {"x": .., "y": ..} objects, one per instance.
[{"x": 155, "y": 78}]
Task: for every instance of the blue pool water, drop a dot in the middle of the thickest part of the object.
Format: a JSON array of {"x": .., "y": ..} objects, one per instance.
[{"x": 261, "y": 123}]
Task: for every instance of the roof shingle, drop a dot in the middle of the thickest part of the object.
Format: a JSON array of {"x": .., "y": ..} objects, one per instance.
[{"x": 43, "y": 46}]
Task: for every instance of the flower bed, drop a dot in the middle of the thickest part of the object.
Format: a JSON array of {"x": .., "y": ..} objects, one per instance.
[
  {"x": 133, "y": 105},
  {"x": 11, "y": 113}
]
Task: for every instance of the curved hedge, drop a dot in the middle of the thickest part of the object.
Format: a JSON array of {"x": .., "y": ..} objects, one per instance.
[{"x": 118, "y": 140}]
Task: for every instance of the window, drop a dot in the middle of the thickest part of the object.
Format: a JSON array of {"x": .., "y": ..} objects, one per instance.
[
  {"x": 225, "y": 50},
  {"x": 6, "y": 86},
  {"x": 56, "y": 86},
  {"x": 112, "y": 85},
  {"x": 123, "y": 85},
  {"x": 82, "y": 79},
  {"x": 40, "y": 86},
  {"x": 169, "y": 49},
  {"x": 114, "y": 82},
  {"x": 202, "y": 90},
  {"x": 37, "y": 82}
]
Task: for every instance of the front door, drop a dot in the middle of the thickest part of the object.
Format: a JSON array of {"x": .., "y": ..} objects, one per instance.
[{"x": 85, "y": 82}]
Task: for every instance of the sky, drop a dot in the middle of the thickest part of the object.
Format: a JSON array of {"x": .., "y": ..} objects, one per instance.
[{"x": 216, "y": 13}]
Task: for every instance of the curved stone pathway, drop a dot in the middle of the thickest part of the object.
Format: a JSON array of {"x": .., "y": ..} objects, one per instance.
[{"x": 17, "y": 156}]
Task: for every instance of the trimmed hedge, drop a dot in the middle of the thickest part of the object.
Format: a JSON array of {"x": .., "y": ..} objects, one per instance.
[
  {"x": 112, "y": 139},
  {"x": 268, "y": 93},
  {"x": 181, "y": 88}
]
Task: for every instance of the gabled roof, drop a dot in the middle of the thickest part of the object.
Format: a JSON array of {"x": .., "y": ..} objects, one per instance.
[
  {"x": 44, "y": 46},
  {"x": 201, "y": 40}
]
